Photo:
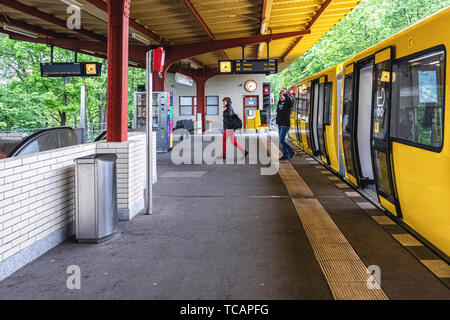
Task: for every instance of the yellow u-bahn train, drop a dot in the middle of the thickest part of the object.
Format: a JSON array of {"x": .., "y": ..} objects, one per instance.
[{"x": 378, "y": 120}]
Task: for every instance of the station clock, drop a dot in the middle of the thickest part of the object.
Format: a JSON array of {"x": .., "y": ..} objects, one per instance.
[{"x": 250, "y": 85}]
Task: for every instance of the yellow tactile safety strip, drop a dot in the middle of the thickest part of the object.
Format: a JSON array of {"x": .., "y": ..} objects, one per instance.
[{"x": 347, "y": 276}]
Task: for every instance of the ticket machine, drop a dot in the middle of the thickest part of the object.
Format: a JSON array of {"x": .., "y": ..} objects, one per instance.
[
  {"x": 251, "y": 112},
  {"x": 162, "y": 117}
]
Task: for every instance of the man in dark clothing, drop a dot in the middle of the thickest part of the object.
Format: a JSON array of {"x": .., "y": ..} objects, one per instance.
[{"x": 284, "y": 110}]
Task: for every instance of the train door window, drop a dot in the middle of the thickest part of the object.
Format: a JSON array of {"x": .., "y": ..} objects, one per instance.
[
  {"x": 347, "y": 123},
  {"x": 212, "y": 105},
  {"x": 328, "y": 103},
  {"x": 365, "y": 93},
  {"x": 320, "y": 122},
  {"x": 381, "y": 99},
  {"x": 305, "y": 101},
  {"x": 418, "y": 100},
  {"x": 315, "y": 115},
  {"x": 188, "y": 106}
]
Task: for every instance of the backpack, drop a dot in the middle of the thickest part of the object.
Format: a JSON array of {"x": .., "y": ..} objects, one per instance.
[{"x": 235, "y": 122}]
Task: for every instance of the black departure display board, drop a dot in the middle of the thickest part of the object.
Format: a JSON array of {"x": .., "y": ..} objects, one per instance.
[
  {"x": 266, "y": 66},
  {"x": 77, "y": 69}
]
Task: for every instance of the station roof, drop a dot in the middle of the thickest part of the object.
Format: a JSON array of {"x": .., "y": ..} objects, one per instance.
[{"x": 181, "y": 22}]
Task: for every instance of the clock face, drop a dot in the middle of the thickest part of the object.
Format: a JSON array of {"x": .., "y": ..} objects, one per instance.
[{"x": 251, "y": 85}]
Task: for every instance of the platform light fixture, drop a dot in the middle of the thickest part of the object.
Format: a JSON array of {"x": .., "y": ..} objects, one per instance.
[
  {"x": 20, "y": 31},
  {"x": 71, "y": 3},
  {"x": 140, "y": 38}
]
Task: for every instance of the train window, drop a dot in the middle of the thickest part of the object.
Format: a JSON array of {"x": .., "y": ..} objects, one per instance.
[
  {"x": 348, "y": 103},
  {"x": 328, "y": 103},
  {"x": 418, "y": 100},
  {"x": 305, "y": 100},
  {"x": 381, "y": 99}
]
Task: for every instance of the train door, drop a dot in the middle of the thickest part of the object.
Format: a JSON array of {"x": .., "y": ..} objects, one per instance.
[
  {"x": 313, "y": 117},
  {"x": 363, "y": 123},
  {"x": 307, "y": 116},
  {"x": 338, "y": 121},
  {"x": 348, "y": 137},
  {"x": 251, "y": 105},
  {"x": 381, "y": 153},
  {"x": 419, "y": 154},
  {"x": 321, "y": 118}
]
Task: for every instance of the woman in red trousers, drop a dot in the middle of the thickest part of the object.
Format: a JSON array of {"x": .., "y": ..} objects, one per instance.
[{"x": 228, "y": 130}]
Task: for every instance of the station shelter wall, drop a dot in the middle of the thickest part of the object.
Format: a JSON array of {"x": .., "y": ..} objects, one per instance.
[{"x": 222, "y": 86}]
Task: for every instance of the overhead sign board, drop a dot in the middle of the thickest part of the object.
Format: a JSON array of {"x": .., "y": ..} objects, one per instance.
[
  {"x": 260, "y": 66},
  {"x": 266, "y": 66},
  {"x": 77, "y": 69},
  {"x": 183, "y": 79}
]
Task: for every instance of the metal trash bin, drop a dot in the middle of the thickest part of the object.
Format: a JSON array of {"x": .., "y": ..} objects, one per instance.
[{"x": 96, "y": 208}]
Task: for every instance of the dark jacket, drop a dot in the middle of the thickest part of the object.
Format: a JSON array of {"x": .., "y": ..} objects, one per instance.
[
  {"x": 284, "y": 110},
  {"x": 227, "y": 114}
]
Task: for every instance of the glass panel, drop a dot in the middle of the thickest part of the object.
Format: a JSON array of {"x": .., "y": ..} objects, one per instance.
[
  {"x": 418, "y": 99},
  {"x": 381, "y": 100},
  {"x": 30, "y": 149},
  {"x": 48, "y": 141},
  {"x": 212, "y": 100},
  {"x": 382, "y": 174},
  {"x": 348, "y": 157},
  {"x": 348, "y": 104},
  {"x": 212, "y": 110},
  {"x": 186, "y": 101},
  {"x": 320, "y": 113},
  {"x": 185, "y": 111},
  {"x": 251, "y": 102},
  {"x": 67, "y": 138},
  {"x": 328, "y": 103}
]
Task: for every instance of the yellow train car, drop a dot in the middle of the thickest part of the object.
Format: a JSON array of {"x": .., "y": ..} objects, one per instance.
[
  {"x": 316, "y": 118},
  {"x": 389, "y": 133}
]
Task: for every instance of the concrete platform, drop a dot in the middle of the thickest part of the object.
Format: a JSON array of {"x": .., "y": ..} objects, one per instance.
[{"x": 224, "y": 232}]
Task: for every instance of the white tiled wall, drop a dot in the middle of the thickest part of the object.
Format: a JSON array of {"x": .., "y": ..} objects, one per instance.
[
  {"x": 223, "y": 86},
  {"x": 37, "y": 194}
]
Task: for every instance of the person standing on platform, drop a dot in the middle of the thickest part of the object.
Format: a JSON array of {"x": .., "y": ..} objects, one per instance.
[
  {"x": 228, "y": 128},
  {"x": 284, "y": 110}
]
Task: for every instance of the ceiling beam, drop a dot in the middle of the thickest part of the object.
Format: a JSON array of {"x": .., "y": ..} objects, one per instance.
[
  {"x": 13, "y": 4},
  {"x": 308, "y": 26},
  {"x": 23, "y": 25},
  {"x": 133, "y": 24},
  {"x": 190, "y": 7},
  {"x": 265, "y": 20},
  {"x": 94, "y": 48},
  {"x": 179, "y": 52}
]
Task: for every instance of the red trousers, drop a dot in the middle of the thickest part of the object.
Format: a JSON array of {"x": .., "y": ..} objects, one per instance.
[{"x": 229, "y": 134}]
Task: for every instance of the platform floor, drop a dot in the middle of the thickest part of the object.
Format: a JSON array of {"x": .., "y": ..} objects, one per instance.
[{"x": 227, "y": 232}]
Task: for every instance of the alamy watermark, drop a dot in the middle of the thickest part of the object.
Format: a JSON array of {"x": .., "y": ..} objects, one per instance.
[
  {"x": 73, "y": 281},
  {"x": 73, "y": 22},
  {"x": 207, "y": 149},
  {"x": 374, "y": 279}
]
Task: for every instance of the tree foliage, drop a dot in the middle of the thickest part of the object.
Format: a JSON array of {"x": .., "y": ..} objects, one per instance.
[
  {"x": 29, "y": 101},
  {"x": 369, "y": 23}
]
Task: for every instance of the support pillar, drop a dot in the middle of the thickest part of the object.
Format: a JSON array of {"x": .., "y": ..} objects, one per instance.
[
  {"x": 201, "y": 97},
  {"x": 159, "y": 83},
  {"x": 117, "y": 99}
]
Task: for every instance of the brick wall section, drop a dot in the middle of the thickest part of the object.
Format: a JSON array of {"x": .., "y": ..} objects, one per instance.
[
  {"x": 36, "y": 196},
  {"x": 37, "y": 191}
]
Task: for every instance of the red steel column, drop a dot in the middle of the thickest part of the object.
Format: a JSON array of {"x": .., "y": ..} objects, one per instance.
[
  {"x": 159, "y": 83},
  {"x": 201, "y": 92},
  {"x": 117, "y": 93}
]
